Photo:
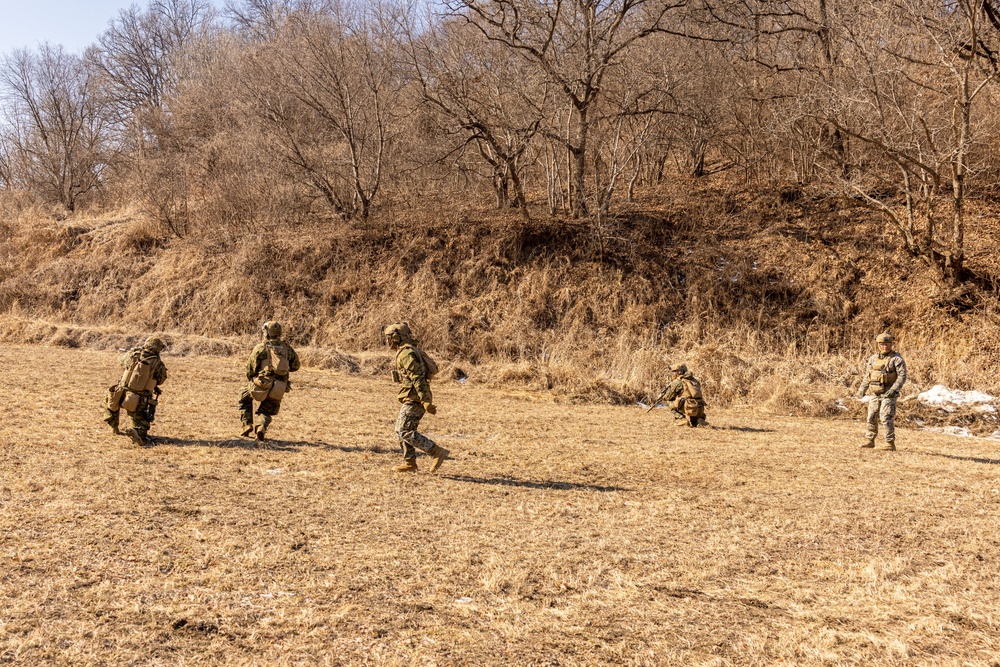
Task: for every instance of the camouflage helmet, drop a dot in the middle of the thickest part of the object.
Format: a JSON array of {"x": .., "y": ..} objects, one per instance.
[
  {"x": 884, "y": 337},
  {"x": 400, "y": 330},
  {"x": 272, "y": 329},
  {"x": 679, "y": 368},
  {"x": 154, "y": 344}
]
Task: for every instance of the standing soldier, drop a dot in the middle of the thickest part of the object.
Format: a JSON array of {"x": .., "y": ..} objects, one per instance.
[
  {"x": 413, "y": 369},
  {"x": 884, "y": 377},
  {"x": 267, "y": 371},
  {"x": 138, "y": 391},
  {"x": 684, "y": 395}
]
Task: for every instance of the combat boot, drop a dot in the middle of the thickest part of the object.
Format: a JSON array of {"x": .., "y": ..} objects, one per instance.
[
  {"x": 439, "y": 454},
  {"x": 868, "y": 444},
  {"x": 681, "y": 421},
  {"x": 889, "y": 447},
  {"x": 114, "y": 427},
  {"x": 409, "y": 465},
  {"x": 247, "y": 430},
  {"x": 136, "y": 437},
  {"x": 261, "y": 433}
]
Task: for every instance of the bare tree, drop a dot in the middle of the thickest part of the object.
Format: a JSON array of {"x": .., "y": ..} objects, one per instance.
[
  {"x": 482, "y": 95},
  {"x": 574, "y": 43},
  {"x": 329, "y": 91},
  {"x": 912, "y": 94},
  {"x": 259, "y": 20},
  {"x": 137, "y": 57},
  {"x": 54, "y": 131}
]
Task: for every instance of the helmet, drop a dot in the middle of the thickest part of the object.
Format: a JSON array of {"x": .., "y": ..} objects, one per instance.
[
  {"x": 679, "y": 368},
  {"x": 884, "y": 337},
  {"x": 399, "y": 330},
  {"x": 154, "y": 344},
  {"x": 272, "y": 329}
]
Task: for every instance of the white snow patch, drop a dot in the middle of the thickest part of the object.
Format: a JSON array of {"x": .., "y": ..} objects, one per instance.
[
  {"x": 959, "y": 431},
  {"x": 949, "y": 400}
]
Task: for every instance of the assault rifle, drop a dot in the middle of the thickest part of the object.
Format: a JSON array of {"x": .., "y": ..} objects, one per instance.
[
  {"x": 151, "y": 407},
  {"x": 655, "y": 402}
]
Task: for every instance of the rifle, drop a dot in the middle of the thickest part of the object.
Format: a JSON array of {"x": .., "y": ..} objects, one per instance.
[
  {"x": 662, "y": 394},
  {"x": 151, "y": 407}
]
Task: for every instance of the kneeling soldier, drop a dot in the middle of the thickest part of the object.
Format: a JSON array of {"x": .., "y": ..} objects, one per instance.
[
  {"x": 683, "y": 395},
  {"x": 883, "y": 378},
  {"x": 413, "y": 369},
  {"x": 138, "y": 390},
  {"x": 267, "y": 371}
]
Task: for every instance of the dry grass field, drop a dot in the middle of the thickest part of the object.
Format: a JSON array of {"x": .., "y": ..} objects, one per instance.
[{"x": 557, "y": 535}]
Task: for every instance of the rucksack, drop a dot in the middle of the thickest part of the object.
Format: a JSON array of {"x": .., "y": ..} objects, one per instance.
[
  {"x": 692, "y": 387},
  {"x": 139, "y": 376},
  {"x": 277, "y": 360},
  {"x": 430, "y": 366}
]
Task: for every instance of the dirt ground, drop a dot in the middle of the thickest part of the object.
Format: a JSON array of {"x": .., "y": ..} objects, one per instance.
[{"x": 557, "y": 535}]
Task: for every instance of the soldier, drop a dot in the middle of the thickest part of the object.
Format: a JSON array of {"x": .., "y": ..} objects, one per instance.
[
  {"x": 413, "y": 369},
  {"x": 267, "y": 371},
  {"x": 138, "y": 390},
  {"x": 684, "y": 392},
  {"x": 884, "y": 377}
]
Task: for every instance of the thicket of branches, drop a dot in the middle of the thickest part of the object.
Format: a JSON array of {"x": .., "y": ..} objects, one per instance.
[{"x": 276, "y": 111}]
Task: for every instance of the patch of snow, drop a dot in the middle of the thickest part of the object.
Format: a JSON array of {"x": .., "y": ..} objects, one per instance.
[
  {"x": 959, "y": 431},
  {"x": 941, "y": 396},
  {"x": 949, "y": 400}
]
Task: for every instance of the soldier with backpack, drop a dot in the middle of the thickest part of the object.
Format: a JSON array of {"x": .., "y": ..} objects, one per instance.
[
  {"x": 684, "y": 395},
  {"x": 267, "y": 374},
  {"x": 413, "y": 371},
  {"x": 138, "y": 391}
]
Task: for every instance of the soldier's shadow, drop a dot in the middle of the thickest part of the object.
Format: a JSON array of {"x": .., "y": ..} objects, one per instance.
[
  {"x": 744, "y": 429},
  {"x": 265, "y": 445},
  {"x": 524, "y": 483},
  {"x": 974, "y": 459}
]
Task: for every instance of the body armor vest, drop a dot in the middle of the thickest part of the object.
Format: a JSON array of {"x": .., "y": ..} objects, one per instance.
[{"x": 880, "y": 378}]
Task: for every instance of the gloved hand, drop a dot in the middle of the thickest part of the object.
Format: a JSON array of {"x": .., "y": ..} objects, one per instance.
[
  {"x": 892, "y": 393},
  {"x": 430, "y": 408}
]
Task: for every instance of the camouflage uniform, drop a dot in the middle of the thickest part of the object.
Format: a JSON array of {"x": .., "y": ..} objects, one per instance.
[
  {"x": 258, "y": 364},
  {"x": 416, "y": 398},
  {"x": 677, "y": 391},
  {"x": 882, "y": 407},
  {"x": 142, "y": 416},
  {"x": 414, "y": 393}
]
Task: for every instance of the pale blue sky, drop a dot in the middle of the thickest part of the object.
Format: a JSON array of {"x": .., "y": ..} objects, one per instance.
[{"x": 73, "y": 23}]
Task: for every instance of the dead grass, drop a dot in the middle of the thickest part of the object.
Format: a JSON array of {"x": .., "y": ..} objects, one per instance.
[{"x": 559, "y": 534}]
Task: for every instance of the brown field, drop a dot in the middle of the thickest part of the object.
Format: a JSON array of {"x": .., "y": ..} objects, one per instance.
[{"x": 557, "y": 535}]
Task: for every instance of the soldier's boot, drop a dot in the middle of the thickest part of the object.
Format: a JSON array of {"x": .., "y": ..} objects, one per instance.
[
  {"x": 439, "y": 454},
  {"x": 247, "y": 430},
  {"x": 138, "y": 439},
  {"x": 681, "y": 421},
  {"x": 692, "y": 422},
  {"x": 409, "y": 465},
  {"x": 261, "y": 432},
  {"x": 889, "y": 447},
  {"x": 114, "y": 426},
  {"x": 867, "y": 444}
]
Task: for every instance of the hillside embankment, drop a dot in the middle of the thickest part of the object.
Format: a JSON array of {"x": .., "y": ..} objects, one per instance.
[{"x": 772, "y": 297}]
